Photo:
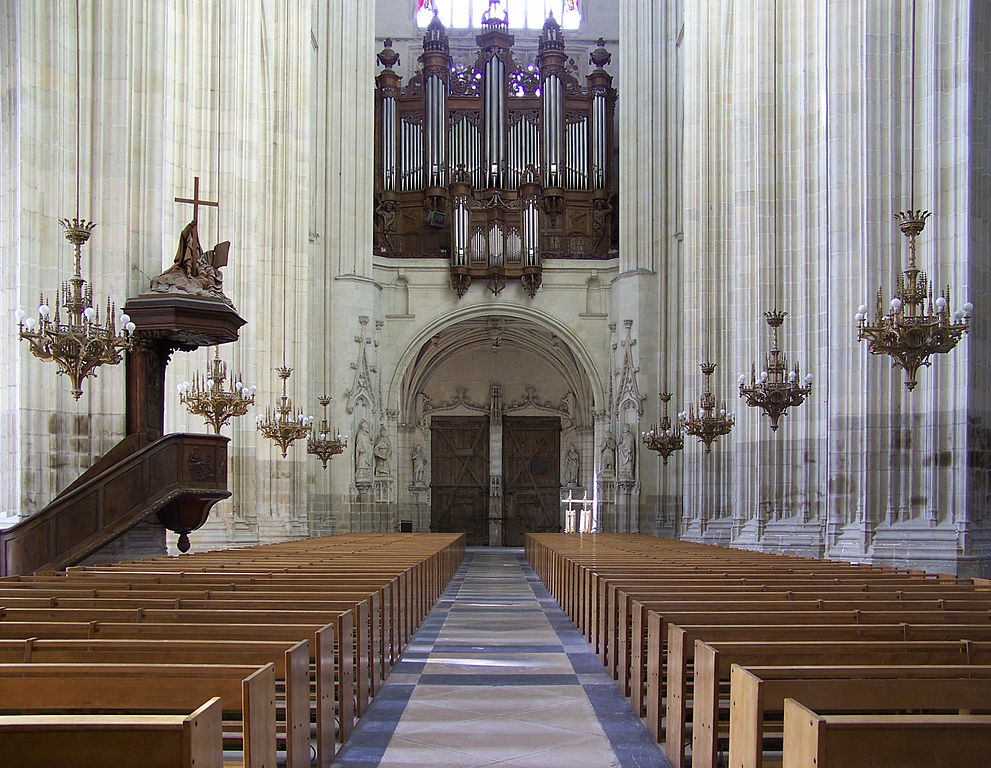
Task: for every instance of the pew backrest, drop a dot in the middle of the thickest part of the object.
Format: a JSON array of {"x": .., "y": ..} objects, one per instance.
[
  {"x": 114, "y": 741},
  {"x": 812, "y": 740}
]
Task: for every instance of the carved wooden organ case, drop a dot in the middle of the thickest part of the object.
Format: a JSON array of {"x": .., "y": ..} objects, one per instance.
[{"x": 496, "y": 166}]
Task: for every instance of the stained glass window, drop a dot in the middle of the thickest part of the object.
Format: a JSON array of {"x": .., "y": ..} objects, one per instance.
[{"x": 523, "y": 14}]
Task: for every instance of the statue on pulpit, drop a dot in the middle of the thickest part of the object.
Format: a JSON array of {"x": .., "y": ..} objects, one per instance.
[{"x": 194, "y": 271}]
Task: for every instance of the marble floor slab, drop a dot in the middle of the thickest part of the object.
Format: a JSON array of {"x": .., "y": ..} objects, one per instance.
[{"x": 498, "y": 676}]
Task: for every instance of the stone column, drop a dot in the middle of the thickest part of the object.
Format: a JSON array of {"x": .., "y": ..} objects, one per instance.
[{"x": 343, "y": 47}]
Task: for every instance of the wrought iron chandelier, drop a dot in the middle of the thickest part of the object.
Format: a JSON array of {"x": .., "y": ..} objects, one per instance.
[
  {"x": 667, "y": 437},
  {"x": 706, "y": 424},
  {"x": 910, "y": 332},
  {"x": 326, "y": 444},
  {"x": 82, "y": 343},
  {"x": 206, "y": 396},
  {"x": 281, "y": 424},
  {"x": 776, "y": 388}
]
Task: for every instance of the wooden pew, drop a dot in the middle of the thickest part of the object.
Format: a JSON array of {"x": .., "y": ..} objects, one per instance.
[
  {"x": 148, "y": 688},
  {"x": 756, "y": 692},
  {"x": 364, "y": 648},
  {"x": 114, "y": 741},
  {"x": 622, "y": 590},
  {"x": 630, "y": 636},
  {"x": 674, "y": 688},
  {"x": 713, "y": 662},
  {"x": 669, "y": 664},
  {"x": 291, "y": 663},
  {"x": 397, "y": 579},
  {"x": 333, "y": 662},
  {"x": 621, "y": 603},
  {"x": 389, "y": 581},
  {"x": 865, "y": 741},
  {"x": 161, "y": 594}
]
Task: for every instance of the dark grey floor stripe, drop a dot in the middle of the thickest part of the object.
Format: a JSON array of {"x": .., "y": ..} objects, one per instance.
[
  {"x": 374, "y": 730},
  {"x": 627, "y": 736}
]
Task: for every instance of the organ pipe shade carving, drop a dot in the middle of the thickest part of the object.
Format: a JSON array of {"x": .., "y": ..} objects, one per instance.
[{"x": 495, "y": 165}]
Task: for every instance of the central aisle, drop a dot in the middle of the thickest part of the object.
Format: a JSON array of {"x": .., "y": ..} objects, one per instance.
[{"x": 498, "y": 675}]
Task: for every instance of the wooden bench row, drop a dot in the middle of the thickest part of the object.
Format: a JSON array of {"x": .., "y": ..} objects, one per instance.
[
  {"x": 293, "y": 638},
  {"x": 670, "y": 620}
]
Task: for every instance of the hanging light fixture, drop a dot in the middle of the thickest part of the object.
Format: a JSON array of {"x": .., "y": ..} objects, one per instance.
[
  {"x": 909, "y": 331},
  {"x": 667, "y": 437},
  {"x": 83, "y": 342},
  {"x": 206, "y": 396},
  {"x": 706, "y": 424},
  {"x": 281, "y": 424},
  {"x": 776, "y": 388},
  {"x": 325, "y": 444}
]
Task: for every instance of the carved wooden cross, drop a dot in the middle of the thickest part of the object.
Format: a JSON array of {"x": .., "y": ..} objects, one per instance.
[{"x": 196, "y": 201}]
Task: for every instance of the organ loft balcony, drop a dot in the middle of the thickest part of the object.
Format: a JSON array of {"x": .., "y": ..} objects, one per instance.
[{"x": 496, "y": 165}]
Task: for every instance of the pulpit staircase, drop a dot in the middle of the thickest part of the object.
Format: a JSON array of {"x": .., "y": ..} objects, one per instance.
[{"x": 176, "y": 478}]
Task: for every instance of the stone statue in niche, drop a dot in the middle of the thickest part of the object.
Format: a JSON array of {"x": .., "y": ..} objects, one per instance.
[
  {"x": 627, "y": 449},
  {"x": 382, "y": 452},
  {"x": 362, "y": 453},
  {"x": 419, "y": 459},
  {"x": 607, "y": 454},
  {"x": 572, "y": 467},
  {"x": 193, "y": 271}
]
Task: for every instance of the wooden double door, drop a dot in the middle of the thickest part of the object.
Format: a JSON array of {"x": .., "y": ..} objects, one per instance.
[{"x": 460, "y": 480}]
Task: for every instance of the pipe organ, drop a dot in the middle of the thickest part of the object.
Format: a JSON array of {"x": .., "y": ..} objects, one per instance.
[{"x": 496, "y": 165}]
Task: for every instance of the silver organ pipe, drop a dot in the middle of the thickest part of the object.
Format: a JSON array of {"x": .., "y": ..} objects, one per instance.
[
  {"x": 531, "y": 234},
  {"x": 389, "y": 143},
  {"x": 576, "y": 151},
  {"x": 495, "y": 246},
  {"x": 460, "y": 231},
  {"x": 456, "y": 140},
  {"x": 513, "y": 245},
  {"x": 599, "y": 146},
  {"x": 411, "y": 177},
  {"x": 552, "y": 104},
  {"x": 463, "y": 139},
  {"x": 478, "y": 251},
  {"x": 494, "y": 120},
  {"x": 435, "y": 113},
  {"x": 524, "y": 150}
]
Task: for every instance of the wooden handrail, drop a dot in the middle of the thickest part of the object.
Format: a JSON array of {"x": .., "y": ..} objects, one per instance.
[{"x": 181, "y": 471}]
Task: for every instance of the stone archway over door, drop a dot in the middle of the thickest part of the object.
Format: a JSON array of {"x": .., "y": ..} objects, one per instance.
[
  {"x": 531, "y": 461},
  {"x": 459, "y": 477}
]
